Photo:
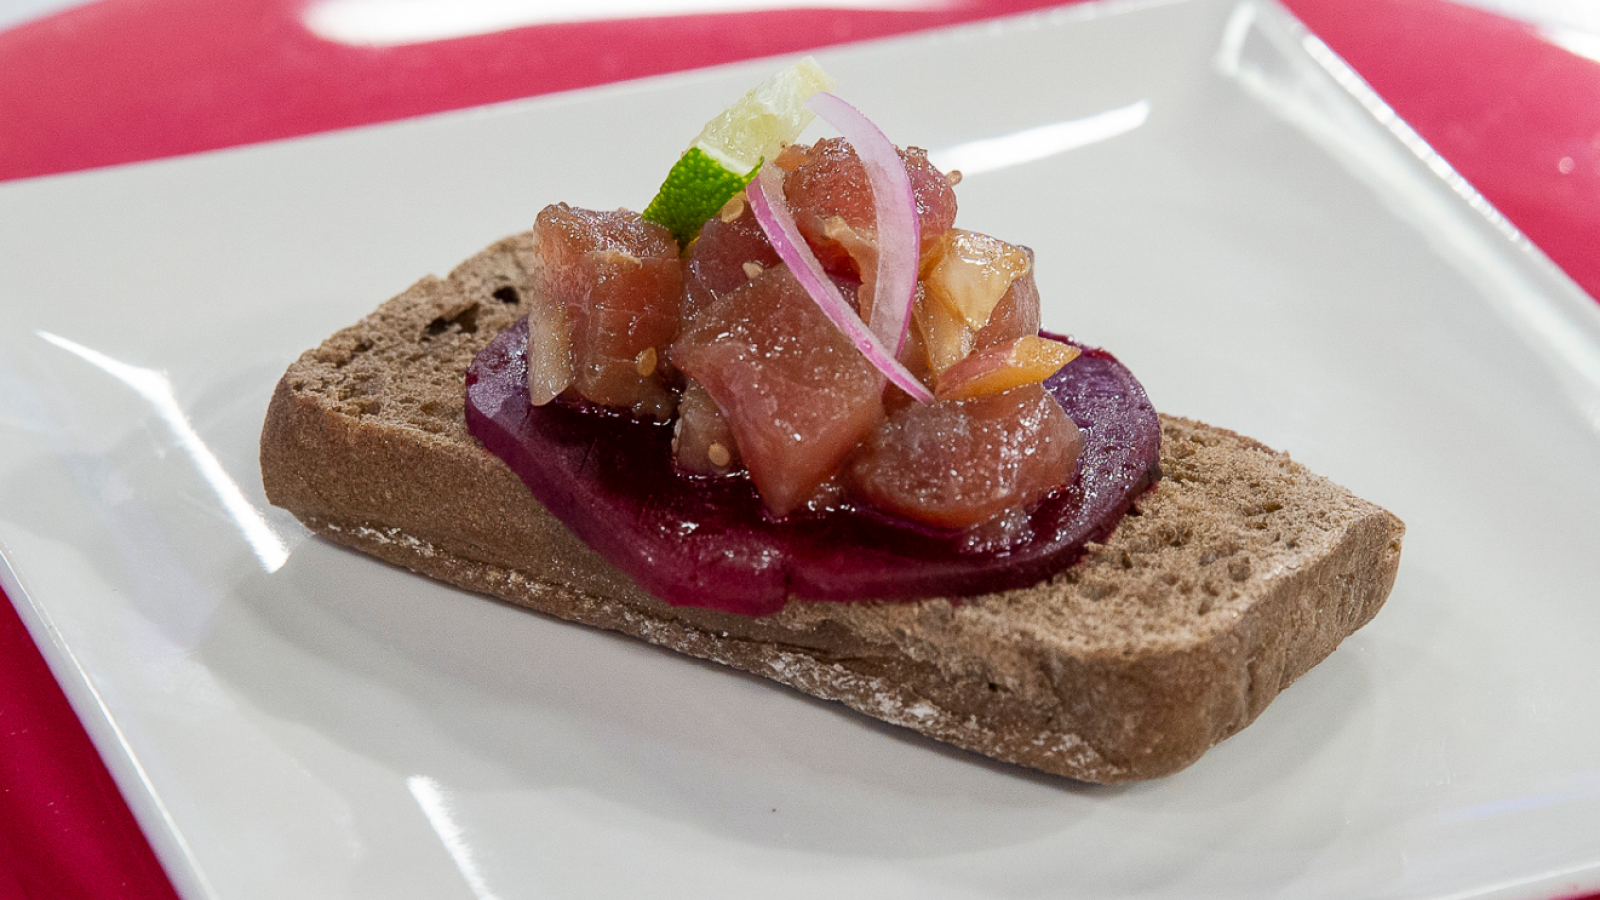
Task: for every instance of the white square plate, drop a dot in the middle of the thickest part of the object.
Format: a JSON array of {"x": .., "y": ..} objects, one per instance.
[{"x": 1225, "y": 207}]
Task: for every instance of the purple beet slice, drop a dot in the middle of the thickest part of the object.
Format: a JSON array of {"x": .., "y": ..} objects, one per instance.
[{"x": 707, "y": 541}]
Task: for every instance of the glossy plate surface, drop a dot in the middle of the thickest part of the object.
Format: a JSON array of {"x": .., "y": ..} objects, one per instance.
[{"x": 1210, "y": 195}]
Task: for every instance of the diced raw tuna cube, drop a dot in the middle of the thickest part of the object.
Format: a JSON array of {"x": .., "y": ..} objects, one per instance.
[
  {"x": 832, "y": 204},
  {"x": 955, "y": 463},
  {"x": 730, "y": 251},
  {"x": 608, "y": 291},
  {"x": 796, "y": 394}
]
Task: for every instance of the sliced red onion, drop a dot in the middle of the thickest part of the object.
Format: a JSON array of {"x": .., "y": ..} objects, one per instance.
[
  {"x": 899, "y": 230},
  {"x": 765, "y": 194}
]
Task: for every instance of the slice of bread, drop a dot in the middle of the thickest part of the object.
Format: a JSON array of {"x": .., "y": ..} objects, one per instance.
[{"x": 1239, "y": 572}]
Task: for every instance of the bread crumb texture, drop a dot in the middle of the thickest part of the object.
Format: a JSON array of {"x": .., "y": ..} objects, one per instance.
[
  {"x": 1232, "y": 577},
  {"x": 402, "y": 366}
]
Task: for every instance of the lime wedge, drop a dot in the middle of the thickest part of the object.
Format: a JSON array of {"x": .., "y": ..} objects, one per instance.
[{"x": 723, "y": 159}]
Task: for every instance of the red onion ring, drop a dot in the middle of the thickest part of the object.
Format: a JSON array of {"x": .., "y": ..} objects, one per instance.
[
  {"x": 765, "y": 194},
  {"x": 895, "y": 207}
]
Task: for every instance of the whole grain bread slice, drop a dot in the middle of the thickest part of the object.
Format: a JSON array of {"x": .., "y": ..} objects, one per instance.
[{"x": 1239, "y": 572}]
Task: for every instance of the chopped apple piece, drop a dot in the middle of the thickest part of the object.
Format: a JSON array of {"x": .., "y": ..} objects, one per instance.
[
  {"x": 1029, "y": 359},
  {"x": 970, "y": 272},
  {"x": 945, "y": 337},
  {"x": 972, "y": 280}
]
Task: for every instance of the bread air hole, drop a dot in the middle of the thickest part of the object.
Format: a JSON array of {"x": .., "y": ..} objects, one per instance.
[
  {"x": 507, "y": 295},
  {"x": 464, "y": 322},
  {"x": 1239, "y": 568},
  {"x": 362, "y": 346},
  {"x": 1222, "y": 551}
]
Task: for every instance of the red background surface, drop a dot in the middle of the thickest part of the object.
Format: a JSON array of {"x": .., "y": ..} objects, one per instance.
[{"x": 126, "y": 80}]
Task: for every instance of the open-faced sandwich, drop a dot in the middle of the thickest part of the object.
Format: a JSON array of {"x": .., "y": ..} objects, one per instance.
[{"x": 793, "y": 419}]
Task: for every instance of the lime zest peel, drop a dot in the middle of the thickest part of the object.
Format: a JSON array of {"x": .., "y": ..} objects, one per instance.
[
  {"x": 720, "y": 162},
  {"x": 696, "y": 188}
]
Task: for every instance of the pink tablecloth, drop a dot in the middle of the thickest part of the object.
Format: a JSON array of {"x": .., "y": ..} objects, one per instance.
[{"x": 125, "y": 80}]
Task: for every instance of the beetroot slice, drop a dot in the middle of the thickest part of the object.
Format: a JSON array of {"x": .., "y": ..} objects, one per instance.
[{"x": 707, "y": 542}]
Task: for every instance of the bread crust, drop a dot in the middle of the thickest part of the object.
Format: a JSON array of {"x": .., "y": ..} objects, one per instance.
[{"x": 1239, "y": 572}]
